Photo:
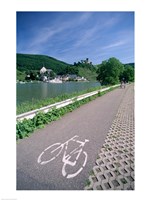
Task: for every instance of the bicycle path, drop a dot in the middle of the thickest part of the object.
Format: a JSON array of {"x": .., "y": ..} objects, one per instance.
[{"x": 89, "y": 122}]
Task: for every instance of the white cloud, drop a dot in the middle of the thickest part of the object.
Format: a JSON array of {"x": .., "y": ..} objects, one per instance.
[
  {"x": 116, "y": 44},
  {"x": 86, "y": 37},
  {"x": 85, "y": 34},
  {"x": 46, "y": 33}
]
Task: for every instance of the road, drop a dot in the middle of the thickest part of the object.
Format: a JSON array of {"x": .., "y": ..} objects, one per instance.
[{"x": 90, "y": 123}]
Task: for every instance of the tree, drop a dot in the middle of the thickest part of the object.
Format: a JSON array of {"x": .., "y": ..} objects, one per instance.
[
  {"x": 32, "y": 75},
  {"x": 109, "y": 71},
  {"x": 128, "y": 73},
  {"x": 52, "y": 75},
  {"x": 21, "y": 75}
]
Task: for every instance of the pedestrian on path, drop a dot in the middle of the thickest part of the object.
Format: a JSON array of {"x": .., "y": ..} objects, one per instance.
[{"x": 123, "y": 83}]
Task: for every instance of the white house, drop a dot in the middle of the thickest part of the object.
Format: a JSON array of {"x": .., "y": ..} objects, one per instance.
[{"x": 43, "y": 70}]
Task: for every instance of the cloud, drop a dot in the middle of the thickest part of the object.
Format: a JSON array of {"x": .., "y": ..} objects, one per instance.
[
  {"x": 69, "y": 22},
  {"x": 116, "y": 44},
  {"x": 97, "y": 28},
  {"x": 72, "y": 36},
  {"x": 86, "y": 36},
  {"x": 46, "y": 34}
]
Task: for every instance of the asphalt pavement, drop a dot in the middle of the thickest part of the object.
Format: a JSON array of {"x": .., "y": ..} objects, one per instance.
[{"x": 61, "y": 155}]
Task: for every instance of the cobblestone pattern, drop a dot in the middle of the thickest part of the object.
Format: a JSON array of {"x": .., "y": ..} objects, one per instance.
[{"x": 114, "y": 169}]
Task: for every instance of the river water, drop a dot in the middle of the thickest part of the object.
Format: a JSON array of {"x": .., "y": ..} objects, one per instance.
[{"x": 41, "y": 90}]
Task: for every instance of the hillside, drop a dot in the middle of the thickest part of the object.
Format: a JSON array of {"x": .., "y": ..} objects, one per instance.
[
  {"x": 33, "y": 63},
  {"x": 87, "y": 73},
  {"x": 27, "y": 62}
]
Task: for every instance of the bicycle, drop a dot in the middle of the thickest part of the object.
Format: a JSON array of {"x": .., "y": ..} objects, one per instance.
[{"x": 56, "y": 150}]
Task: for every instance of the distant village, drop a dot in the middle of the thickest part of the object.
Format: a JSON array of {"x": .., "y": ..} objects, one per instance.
[
  {"x": 45, "y": 76},
  {"x": 48, "y": 75}
]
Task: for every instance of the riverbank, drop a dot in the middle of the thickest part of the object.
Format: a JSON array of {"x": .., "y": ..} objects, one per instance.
[
  {"x": 26, "y": 127},
  {"x": 29, "y": 92},
  {"x": 38, "y": 103}
]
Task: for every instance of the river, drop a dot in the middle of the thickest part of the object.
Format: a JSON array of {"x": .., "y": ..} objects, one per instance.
[{"x": 41, "y": 90}]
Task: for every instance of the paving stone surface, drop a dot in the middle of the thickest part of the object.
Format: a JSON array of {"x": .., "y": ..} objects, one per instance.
[{"x": 114, "y": 167}]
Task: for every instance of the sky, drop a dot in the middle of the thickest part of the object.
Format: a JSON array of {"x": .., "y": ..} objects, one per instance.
[{"x": 75, "y": 36}]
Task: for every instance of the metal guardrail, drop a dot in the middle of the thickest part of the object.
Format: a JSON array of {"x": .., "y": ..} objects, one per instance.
[{"x": 31, "y": 114}]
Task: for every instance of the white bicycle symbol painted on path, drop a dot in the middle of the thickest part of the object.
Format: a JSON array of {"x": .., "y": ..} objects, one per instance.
[{"x": 56, "y": 149}]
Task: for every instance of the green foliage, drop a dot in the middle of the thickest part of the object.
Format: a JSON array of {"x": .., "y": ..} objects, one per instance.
[
  {"x": 39, "y": 120},
  {"x": 35, "y": 62},
  {"x": 86, "y": 70},
  {"x": 21, "y": 75},
  {"x": 24, "y": 128},
  {"x": 89, "y": 74},
  {"x": 128, "y": 73},
  {"x": 109, "y": 71},
  {"x": 69, "y": 70}
]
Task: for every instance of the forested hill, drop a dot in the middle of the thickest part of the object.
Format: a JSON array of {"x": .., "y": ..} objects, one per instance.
[{"x": 27, "y": 62}]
